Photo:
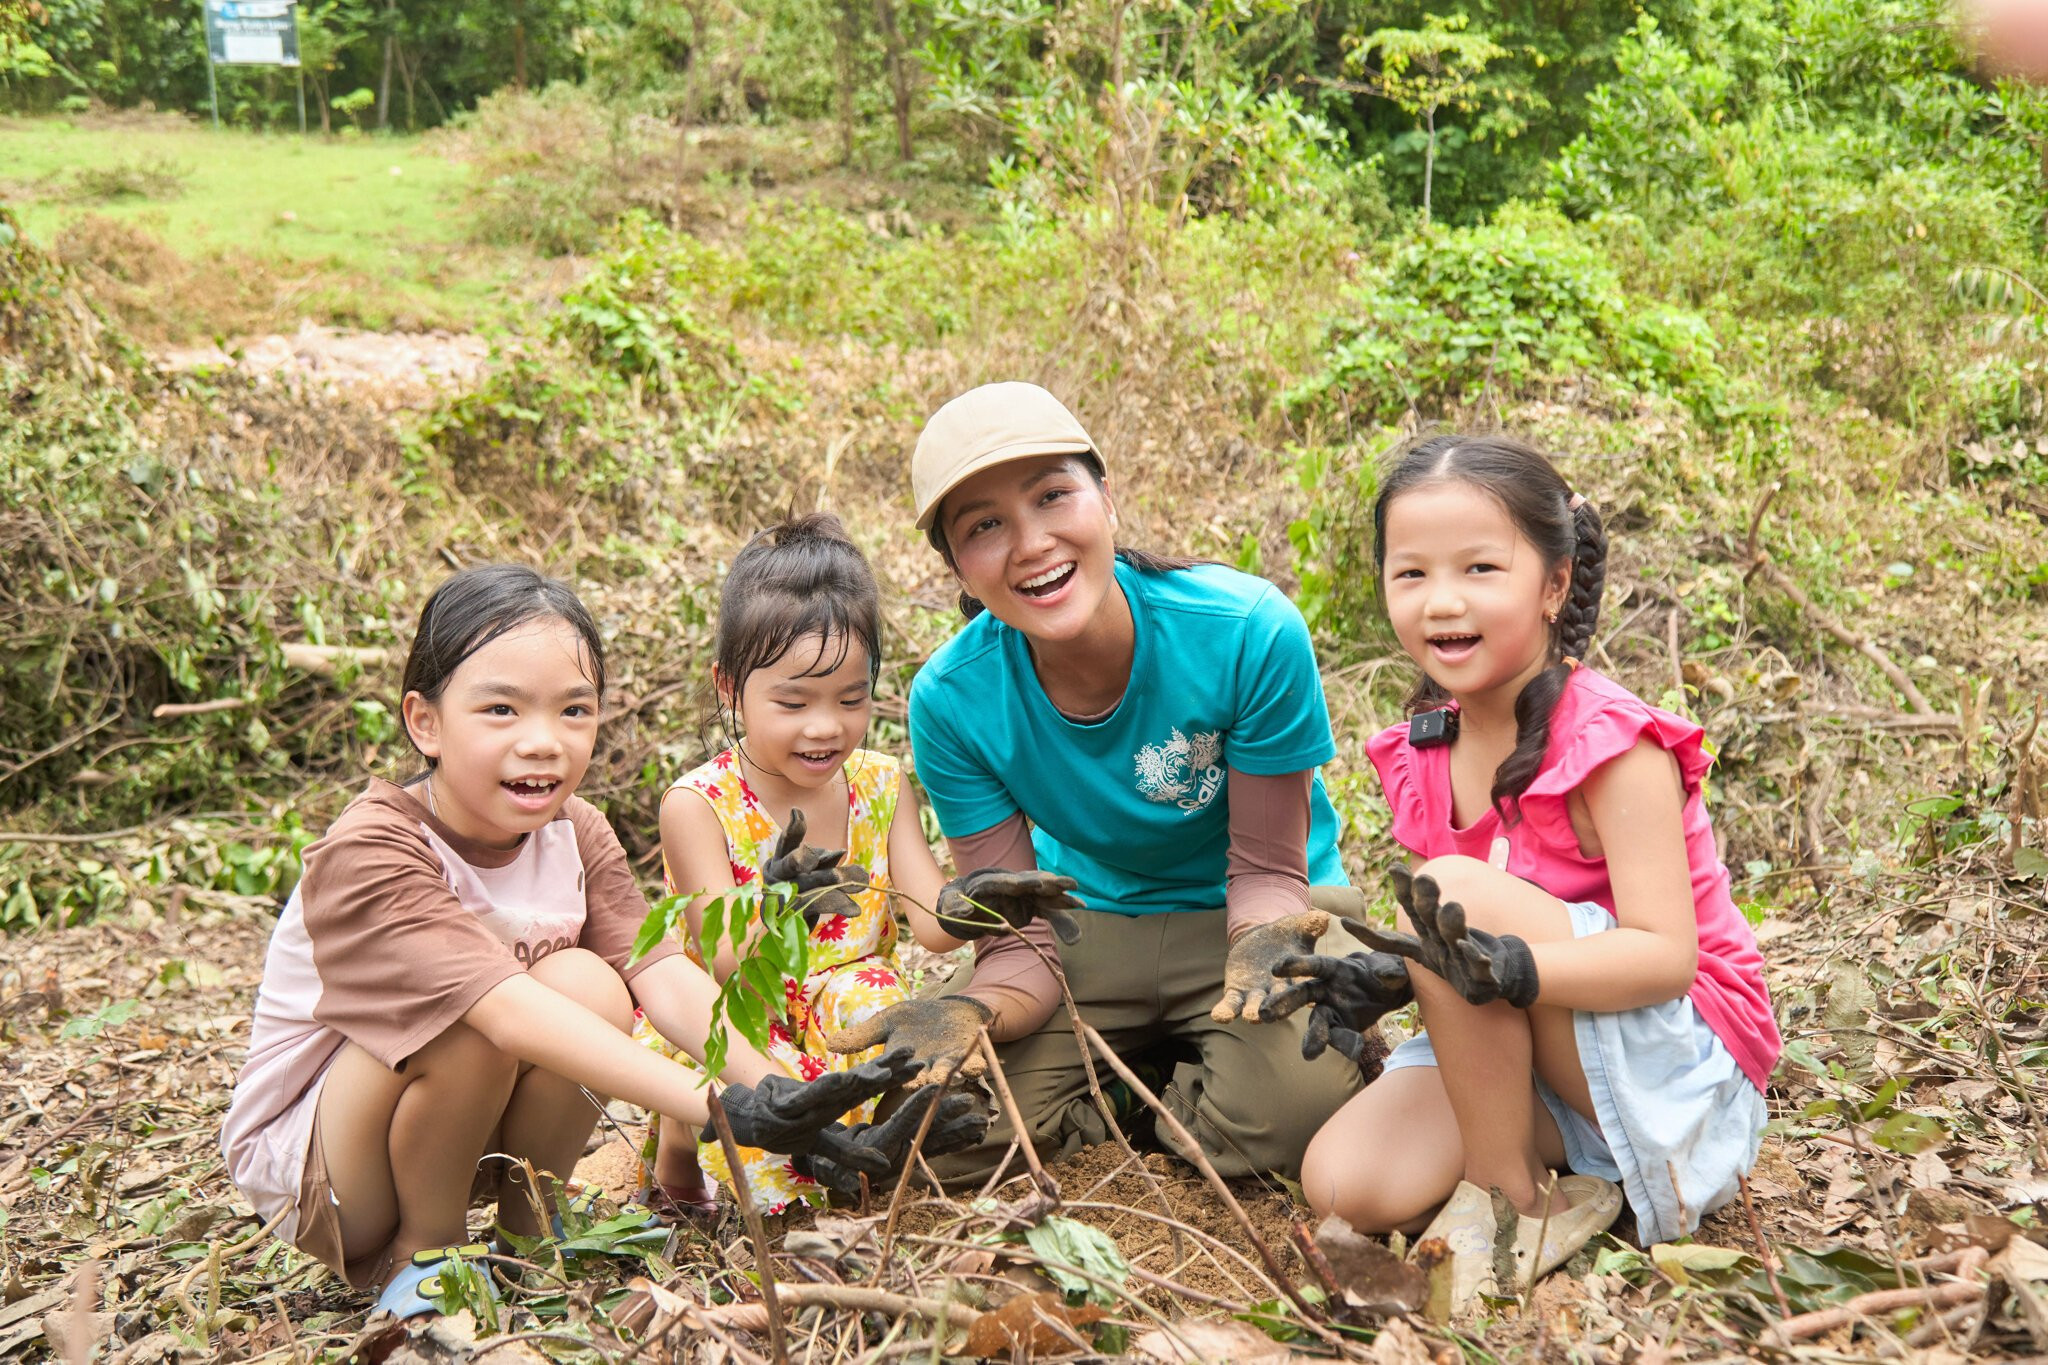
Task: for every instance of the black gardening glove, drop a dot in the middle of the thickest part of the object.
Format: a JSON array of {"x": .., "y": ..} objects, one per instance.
[
  {"x": 783, "y": 1114},
  {"x": 984, "y": 900},
  {"x": 940, "y": 1034},
  {"x": 816, "y": 874},
  {"x": 1251, "y": 969},
  {"x": 1350, "y": 994},
  {"x": 1480, "y": 966},
  {"x": 960, "y": 1122}
]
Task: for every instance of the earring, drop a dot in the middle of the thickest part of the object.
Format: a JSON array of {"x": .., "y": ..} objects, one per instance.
[{"x": 1550, "y": 618}]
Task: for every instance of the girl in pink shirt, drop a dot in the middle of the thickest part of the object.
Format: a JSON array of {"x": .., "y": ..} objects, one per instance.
[{"x": 1593, "y": 998}]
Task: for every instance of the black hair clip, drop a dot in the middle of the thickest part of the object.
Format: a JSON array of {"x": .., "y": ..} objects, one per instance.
[{"x": 1427, "y": 729}]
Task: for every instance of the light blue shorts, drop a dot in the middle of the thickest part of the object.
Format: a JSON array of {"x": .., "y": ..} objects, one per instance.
[{"x": 1679, "y": 1121}]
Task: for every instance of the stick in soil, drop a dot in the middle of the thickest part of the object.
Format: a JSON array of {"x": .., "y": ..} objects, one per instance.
[
  {"x": 916, "y": 1158},
  {"x": 1763, "y": 1252},
  {"x": 1046, "y": 1185},
  {"x": 1193, "y": 1152},
  {"x": 778, "y": 1349}
]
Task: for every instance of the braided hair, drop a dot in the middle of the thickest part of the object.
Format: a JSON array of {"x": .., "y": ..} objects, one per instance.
[{"x": 1561, "y": 526}]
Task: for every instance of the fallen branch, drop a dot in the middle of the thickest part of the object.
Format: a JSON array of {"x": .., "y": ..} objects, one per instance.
[
  {"x": 198, "y": 708},
  {"x": 753, "y": 1317},
  {"x": 105, "y": 836},
  {"x": 1862, "y": 644},
  {"x": 1940, "y": 1296},
  {"x": 324, "y": 661}
]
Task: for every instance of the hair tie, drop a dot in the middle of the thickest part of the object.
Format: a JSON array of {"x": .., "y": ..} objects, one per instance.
[
  {"x": 1575, "y": 502},
  {"x": 1571, "y": 665}
]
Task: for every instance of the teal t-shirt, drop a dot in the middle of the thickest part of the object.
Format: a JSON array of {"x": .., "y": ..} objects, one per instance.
[{"x": 1134, "y": 807}]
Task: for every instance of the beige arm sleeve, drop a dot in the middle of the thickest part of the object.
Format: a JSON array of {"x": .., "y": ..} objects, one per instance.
[
  {"x": 1267, "y": 875},
  {"x": 1009, "y": 978}
]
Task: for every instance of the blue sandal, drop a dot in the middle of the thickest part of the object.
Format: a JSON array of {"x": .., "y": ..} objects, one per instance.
[{"x": 411, "y": 1292}]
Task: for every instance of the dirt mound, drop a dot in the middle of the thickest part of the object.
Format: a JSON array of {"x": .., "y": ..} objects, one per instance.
[{"x": 402, "y": 365}]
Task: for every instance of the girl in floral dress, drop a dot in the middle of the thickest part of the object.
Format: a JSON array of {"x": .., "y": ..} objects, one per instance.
[{"x": 799, "y": 626}]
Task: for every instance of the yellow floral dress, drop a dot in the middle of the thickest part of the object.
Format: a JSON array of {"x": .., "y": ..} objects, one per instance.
[{"x": 853, "y": 968}]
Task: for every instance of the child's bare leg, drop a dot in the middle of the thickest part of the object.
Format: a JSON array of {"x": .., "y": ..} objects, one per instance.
[
  {"x": 548, "y": 1119},
  {"x": 1389, "y": 1157},
  {"x": 402, "y": 1147},
  {"x": 1488, "y": 1052},
  {"x": 675, "y": 1157}
]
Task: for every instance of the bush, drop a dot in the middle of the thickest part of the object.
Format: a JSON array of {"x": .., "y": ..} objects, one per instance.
[
  {"x": 1524, "y": 301},
  {"x": 553, "y": 169}
]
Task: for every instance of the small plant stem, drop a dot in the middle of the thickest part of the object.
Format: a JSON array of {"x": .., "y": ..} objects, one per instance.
[
  {"x": 1763, "y": 1252},
  {"x": 1193, "y": 1152},
  {"x": 778, "y": 1349},
  {"x": 1542, "y": 1233}
]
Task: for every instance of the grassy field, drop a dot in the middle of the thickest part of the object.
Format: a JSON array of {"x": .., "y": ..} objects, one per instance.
[{"x": 239, "y": 230}]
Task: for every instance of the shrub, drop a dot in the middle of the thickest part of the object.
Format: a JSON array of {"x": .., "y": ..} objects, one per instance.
[{"x": 1526, "y": 300}]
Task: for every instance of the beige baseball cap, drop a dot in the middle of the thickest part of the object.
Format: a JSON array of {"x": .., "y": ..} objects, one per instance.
[{"x": 989, "y": 426}]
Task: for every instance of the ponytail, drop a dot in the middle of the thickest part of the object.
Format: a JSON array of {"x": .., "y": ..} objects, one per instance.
[{"x": 1571, "y": 637}]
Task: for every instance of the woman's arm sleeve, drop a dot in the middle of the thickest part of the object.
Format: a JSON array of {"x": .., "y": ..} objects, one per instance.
[
  {"x": 1009, "y": 978},
  {"x": 1267, "y": 874}
]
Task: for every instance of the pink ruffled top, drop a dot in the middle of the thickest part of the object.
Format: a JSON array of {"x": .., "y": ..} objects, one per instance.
[{"x": 1596, "y": 720}]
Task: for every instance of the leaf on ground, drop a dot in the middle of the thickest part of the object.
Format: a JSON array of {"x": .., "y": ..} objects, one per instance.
[
  {"x": 1237, "y": 1342},
  {"x": 1846, "y": 1013},
  {"x": 1370, "y": 1274},
  {"x": 1681, "y": 1263},
  {"x": 1034, "y": 1324},
  {"x": 1064, "y": 1246}
]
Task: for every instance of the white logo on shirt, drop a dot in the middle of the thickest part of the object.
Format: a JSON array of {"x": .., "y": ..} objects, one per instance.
[{"x": 1186, "y": 770}]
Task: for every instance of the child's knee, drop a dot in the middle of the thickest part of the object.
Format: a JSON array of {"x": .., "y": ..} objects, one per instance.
[
  {"x": 589, "y": 980},
  {"x": 1335, "y": 1179},
  {"x": 1459, "y": 878},
  {"x": 463, "y": 1054}
]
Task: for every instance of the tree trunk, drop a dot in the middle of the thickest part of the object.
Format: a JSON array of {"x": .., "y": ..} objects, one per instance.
[
  {"x": 519, "y": 55},
  {"x": 384, "y": 78},
  {"x": 1428, "y": 161},
  {"x": 899, "y": 74},
  {"x": 405, "y": 75},
  {"x": 843, "y": 45}
]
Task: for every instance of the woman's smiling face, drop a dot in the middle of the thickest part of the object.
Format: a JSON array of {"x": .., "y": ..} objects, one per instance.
[{"x": 1033, "y": 539}]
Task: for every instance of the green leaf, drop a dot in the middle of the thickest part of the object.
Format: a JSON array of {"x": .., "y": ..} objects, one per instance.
[
  {"x": 2029, "y": 862},
  {"x": 653, "y": 929},
  {"x": 1682, "y": 1262},
  {"x": 766, "y": 983},
  {"x": 111, "y": 1015},
  {"x": 713, "y": 928},
  {"x": 1909, "y": 1134},
  {"x": 1064, "y": 1246}
]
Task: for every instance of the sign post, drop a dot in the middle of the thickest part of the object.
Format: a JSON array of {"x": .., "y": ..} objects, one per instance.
[{"x": 251, "y": 33}]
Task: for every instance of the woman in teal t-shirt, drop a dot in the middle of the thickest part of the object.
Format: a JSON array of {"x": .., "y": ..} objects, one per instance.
[{"x": 1145, "y": 732}]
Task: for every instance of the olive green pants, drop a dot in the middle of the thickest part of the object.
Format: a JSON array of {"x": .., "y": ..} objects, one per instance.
[{"x": 1250, "y": 1101}]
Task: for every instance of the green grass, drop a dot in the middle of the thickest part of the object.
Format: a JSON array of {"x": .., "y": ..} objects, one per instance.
[{"x": 370, "y": 230}]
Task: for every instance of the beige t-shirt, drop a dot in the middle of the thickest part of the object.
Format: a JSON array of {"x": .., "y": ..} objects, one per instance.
[{"x": 398, "y": 926}]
